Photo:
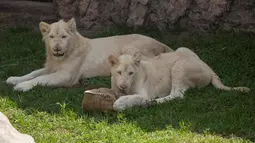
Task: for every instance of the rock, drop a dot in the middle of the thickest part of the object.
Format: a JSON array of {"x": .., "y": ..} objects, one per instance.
[
  {"x": 227, "y": 27},
  {"x": 8, "y": 134},
  {"x": 97, "y": 15},
  {"x": 165, "y": 12},
  {"x": 137, "y": 13},
  {"x": 66, "y": 8},
  {"x": 242, "y": 16}
]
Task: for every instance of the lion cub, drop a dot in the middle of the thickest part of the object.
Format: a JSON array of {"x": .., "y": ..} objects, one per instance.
[{"x": 166, "y": 76}]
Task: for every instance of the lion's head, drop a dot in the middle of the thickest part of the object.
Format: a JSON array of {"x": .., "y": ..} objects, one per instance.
[
  {"x": 124, "y": 71},
  {"x": 58, "y": 37}
]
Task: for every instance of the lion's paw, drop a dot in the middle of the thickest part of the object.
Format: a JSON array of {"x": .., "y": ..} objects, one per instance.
[
  {"x": 121, "y": 103},
  {"x": 13, "y": 80},
  {"x": 160, "y": 100},
  {"x": 24, "y": 86},
  {"x": 245, "y": 89}
]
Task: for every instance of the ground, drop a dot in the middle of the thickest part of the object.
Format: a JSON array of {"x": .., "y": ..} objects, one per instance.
[{"x": 205, "y": 115}]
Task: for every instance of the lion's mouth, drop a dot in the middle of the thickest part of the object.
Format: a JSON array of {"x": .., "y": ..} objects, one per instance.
[
  {"x": 123, "y": 91},
  {"x": 58, "y": 54}
]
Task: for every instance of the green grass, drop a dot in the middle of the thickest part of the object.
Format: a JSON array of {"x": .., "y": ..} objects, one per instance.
[{"x": 205, "y": 115}]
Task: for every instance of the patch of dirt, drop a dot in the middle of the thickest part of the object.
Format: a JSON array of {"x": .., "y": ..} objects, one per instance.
[{"x": 17, "y": 13}]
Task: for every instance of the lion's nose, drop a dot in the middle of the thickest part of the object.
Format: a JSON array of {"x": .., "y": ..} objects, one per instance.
[
  {"x": 56, "y": 49},
  {"x": 123, "y": 86}
]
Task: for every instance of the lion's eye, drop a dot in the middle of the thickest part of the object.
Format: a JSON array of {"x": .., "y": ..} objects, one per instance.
[
  {"x": 63, "y": 37},
  {"x": 51, "y": 37},
  {"x": 130, "y": 73},
  {"x": 119, "y": 72}
]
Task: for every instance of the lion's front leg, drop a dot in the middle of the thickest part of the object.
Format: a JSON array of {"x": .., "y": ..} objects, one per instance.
[
  {"x": 129, "y": 101},
  {"x": 53, "y": 79},
  {"x": 16, "y": 79}
]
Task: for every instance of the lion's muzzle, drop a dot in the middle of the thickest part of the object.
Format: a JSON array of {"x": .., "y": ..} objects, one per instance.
[
  {"x": 58, "y": 54},
  {"x": 57, "y": 51}
]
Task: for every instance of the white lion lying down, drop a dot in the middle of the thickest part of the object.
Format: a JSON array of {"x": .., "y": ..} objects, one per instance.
[
  {"x": 70, "y": 56},
  {"x": 166, "y": 76}
]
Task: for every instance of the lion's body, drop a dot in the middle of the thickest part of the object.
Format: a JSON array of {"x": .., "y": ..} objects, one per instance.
[
  {"x": 166, "y": 68},
  {"x": 71, "y": 56},
  {"x": 164, "y": 77},
  {"x": 117, "y": 45}
]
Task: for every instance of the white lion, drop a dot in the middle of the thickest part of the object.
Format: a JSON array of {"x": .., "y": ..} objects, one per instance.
[
  {"x": 70, "y": 56},
  {"x": 8, "y": 134},
  {"x": 166, "y": 76}
]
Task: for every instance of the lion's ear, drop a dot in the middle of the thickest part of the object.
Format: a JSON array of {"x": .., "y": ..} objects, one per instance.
[
  {"x": 72, "y": 24},
  {"x": 137, "y": 58},
  {"x": 44, "y": 27},
  {"x": 113, "y": 60}
]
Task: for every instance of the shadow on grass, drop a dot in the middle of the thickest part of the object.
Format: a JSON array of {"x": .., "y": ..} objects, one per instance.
[{"x": 49, "y": 99}]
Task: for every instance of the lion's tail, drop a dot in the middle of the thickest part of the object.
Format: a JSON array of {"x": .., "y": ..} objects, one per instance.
[{"x": 218, "y": 84}]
